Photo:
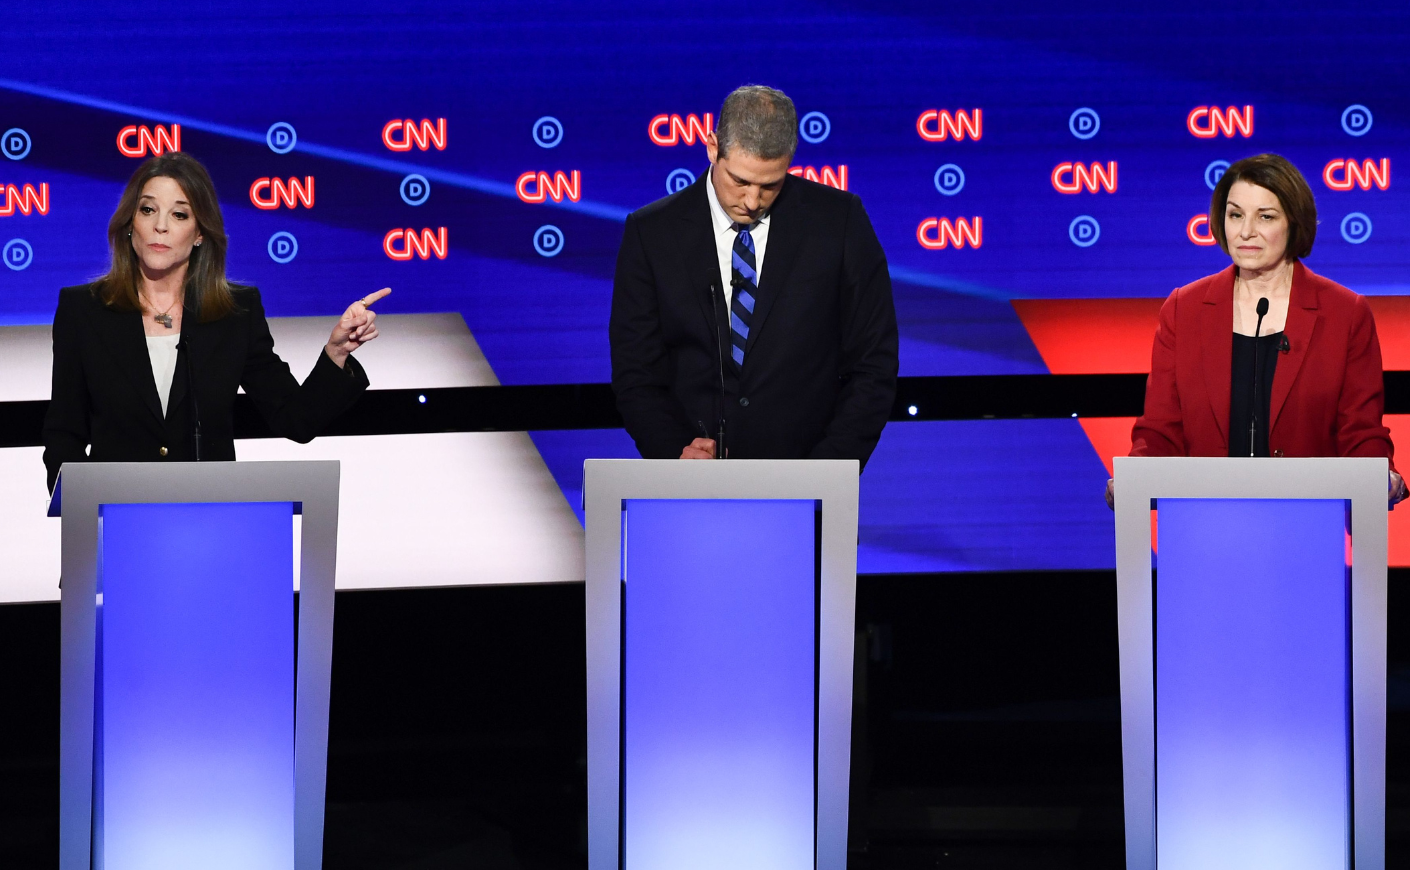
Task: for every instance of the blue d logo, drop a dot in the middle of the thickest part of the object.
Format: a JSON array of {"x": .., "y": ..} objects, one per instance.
[
  {"x": 1356, "y": 228},
  {"x": 283, "y": 247},
  {"x": 15, "y": 143},
  {"x": 17, "y": 254},
  {"x": 1356, "y": 120},
  {"x": 949, "y": 179},
  {"x": 814, "y": 127},
  {"x": 281, "y": 138},
  {"x": 415, "y": 189},
  {"x": 1084, "y": 123},
  {"x": 1215, "y": 171},
  {"x": 548, "y": 241},
  {"x": 548, "y": 132},
  {"x": 1084, "y": 231},
  {"x": 679, "y": 179}
]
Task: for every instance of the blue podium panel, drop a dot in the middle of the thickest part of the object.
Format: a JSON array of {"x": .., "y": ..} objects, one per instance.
[
  {"x": 719, "y": 685},
  {"x": 1252, "y": 702},
  {"x": 194, "y": 735}
]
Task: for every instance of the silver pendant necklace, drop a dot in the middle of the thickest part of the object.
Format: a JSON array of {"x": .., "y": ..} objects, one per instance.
[{"x": 165, "y": 317}]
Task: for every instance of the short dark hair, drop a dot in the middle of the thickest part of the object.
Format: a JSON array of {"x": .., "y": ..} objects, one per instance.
[
  {"x": 1275, "y": 173},
  {"x": 207, "y": 293},
  {"x": 761, "y": 120}
]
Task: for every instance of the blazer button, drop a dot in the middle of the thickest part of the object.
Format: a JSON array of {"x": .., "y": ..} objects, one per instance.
[
  {"x": 744, "y": 401},
  {"x": 162, "y": 451},
  {"x": 1278, "y": 453}
]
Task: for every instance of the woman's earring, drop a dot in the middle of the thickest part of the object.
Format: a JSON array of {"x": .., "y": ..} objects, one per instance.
[{"x": 198, "y": 244}]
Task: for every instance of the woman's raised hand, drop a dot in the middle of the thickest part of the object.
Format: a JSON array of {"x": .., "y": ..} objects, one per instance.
[{"x": 356, "y": 327}]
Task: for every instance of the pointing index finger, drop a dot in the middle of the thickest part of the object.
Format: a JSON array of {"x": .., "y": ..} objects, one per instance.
[{"x": 373, "y": 297}]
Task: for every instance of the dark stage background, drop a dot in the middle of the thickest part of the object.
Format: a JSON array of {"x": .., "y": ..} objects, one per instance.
[{"x": 986, "y": 735}]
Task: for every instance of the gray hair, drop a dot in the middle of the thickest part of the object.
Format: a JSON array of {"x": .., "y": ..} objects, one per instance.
[{"x": 760, "y": 120}]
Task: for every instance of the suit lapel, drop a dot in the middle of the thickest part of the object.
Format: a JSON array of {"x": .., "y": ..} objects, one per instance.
[
  {"x": 201, "y": 341},
  {"x": 121, "y": 333},
  {"x": 1217, "y": 345},
  {"x": 702, "y": 260},
  {"x": 785, "y": 241},
  {"x": 1299, "y": 328}
]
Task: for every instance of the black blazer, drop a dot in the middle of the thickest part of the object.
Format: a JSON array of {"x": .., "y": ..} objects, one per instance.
[
  {"x": 819, "y": 374},
  {"x": 104, "y": 397}
]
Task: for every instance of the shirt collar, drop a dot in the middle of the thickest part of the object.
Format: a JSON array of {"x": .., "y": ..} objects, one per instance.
[{"x": 722, "y": 221}]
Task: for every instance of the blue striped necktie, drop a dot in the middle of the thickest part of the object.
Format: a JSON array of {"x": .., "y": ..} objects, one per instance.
[{"x": 745, "y": 280}]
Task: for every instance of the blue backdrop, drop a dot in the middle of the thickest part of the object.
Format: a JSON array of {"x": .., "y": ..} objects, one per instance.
[{"x": 574, "y": 88}]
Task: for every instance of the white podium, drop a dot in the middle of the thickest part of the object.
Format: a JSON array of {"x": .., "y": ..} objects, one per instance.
[
  {"x": 720, "y": 620},
  {"x": 1253, "y": 662},
  {"x": 193, "y": 712}
]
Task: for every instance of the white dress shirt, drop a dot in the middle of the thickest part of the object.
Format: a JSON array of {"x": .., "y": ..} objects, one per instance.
[
  {"x": 724, "y": 240},
  {"x": 161, "y": 350}
]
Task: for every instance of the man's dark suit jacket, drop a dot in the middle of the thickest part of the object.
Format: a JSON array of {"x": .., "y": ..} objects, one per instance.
[
  {"x": 104, "y": 394},
  {"x": 819, "y": 374}
]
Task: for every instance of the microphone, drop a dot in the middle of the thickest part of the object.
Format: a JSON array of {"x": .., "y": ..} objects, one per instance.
[
  {"x": 1262, "y": 309},
  {"x": 719, "y": 366},
  {"x": 185, "y": 347},
  {"x": 1284, "y": 346}
]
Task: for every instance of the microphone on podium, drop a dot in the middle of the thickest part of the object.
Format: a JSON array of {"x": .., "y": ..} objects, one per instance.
[
  {"x": 1262, "y": 310},
  {"x": 719, "y": 367}
]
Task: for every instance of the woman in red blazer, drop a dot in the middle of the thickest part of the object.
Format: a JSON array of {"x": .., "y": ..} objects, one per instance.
[{"x": 1265, "y": 358}]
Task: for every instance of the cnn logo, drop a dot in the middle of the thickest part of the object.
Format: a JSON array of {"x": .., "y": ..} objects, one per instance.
[
  {"x": 540, "y": 186},
  {"x": 405, "y": 134},
  {"x": 1348, "y": 174},
  {"x": 405, "y": 244},
  {"x": 937, "y": 125},
  {"x": 140, "y": 141},
  {"x": 1207, "y": 122},
  {"x": 668, "y": 130},
  {"x": 25, "y": 200},
  {"x": 937, "y": 234},
  {"x": 827, "y": 175},
  {"x": 1077, "y": 177},
  {"x": 270, "y": 193}
]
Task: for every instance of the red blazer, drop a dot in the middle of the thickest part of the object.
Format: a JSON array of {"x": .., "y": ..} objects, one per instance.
[{"x": 1328, "y": 393}]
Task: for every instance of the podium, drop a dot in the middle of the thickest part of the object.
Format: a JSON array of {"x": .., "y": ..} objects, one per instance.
[
  {"x": 720, "y": 620},
  {"x": 193, "y": 711},
  {"x": 1253, "y": 661}
]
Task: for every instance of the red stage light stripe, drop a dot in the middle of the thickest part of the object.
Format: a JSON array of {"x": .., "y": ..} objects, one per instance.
[
  {"x": 1091, "y": 336},
  {"x": 1392, "y": 315}
]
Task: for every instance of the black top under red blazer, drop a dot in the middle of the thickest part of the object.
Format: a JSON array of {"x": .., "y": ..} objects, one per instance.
[
  {"x": 820, "y": 366},
  {"x": 104, "y": 397},
  {"x": 1328, "y": 392}
]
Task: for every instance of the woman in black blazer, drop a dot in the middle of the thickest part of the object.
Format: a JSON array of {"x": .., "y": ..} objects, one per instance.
[{"x": 148, "y": 358}]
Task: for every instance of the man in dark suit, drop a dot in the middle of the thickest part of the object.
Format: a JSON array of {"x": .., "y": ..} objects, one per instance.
[{"x": 752, "y": 312}]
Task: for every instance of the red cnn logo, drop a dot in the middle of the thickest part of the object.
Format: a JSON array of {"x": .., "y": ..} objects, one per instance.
[
  {"x": 666, "y": 130},
  {"x": 290, "y": 193},
  {"x": 1206, "y": 122},
  {"x": 538, "y": 186},
  {"x": 27, "y": 200},
  {"x": 937, "y": 125},
  {"x": 404, "y": 244},
  {"x": 827, "y": 175},
  {"x": 1197, "y": 231},
  {"x": 1361, "y": 175},
  {"x": 400, "y": 135},
  {"x": 1076, "y": 177},
  {"x": 135, "y": 141},
  {"x": 936, "y": 234}
]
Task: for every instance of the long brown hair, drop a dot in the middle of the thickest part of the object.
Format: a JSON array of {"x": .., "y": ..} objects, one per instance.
[{"x": 207, "y": 292}]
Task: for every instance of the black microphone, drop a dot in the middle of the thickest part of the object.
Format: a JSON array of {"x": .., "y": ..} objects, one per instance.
[
  {"x": 185, "y": 347},
  {"x": 1262, "y": 309},
  {"x": 720, "y": 367},
  {"x": 1284, "y": 346}
]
